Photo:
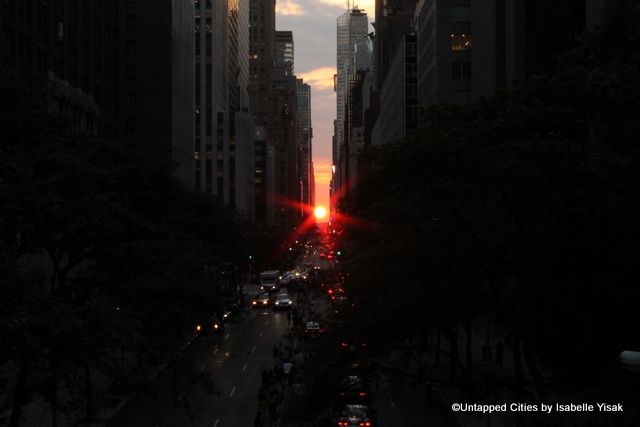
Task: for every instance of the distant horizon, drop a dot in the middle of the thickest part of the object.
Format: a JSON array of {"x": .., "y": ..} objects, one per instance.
[{"x": 313, "y": 23}]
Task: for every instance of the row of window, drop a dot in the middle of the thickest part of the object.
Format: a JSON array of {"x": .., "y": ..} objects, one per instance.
[{"x": 461, "y": 69}]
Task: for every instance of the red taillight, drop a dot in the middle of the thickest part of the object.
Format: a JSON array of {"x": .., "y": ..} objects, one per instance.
[
  {"x": 341, "y": 394},
  {"x": 344, "y": 344},
  {"x": 365, "y": 423},
  {"x": 362, "y": 394}
]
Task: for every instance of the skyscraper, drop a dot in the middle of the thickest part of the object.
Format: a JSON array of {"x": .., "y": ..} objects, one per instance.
[
  {"x": 284, "y": 52},
  {"x": 42, "y": 41},
  {"x": 304, "y": 140},
  {"x": 352, "y": 29},
  {"x": 157, "y": 79},
  {"x": 262, "y": 27},
  {"x": 393, "y": 20},
  {"x": 211, "y": 94},
  {"x": 223, "y": 153}
]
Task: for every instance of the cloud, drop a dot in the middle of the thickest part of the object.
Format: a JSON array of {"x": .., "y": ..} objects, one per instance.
[
  {"x": 289, "y": 7},
  {"x": 319, "y": 78},
  {"x": 322, "y": 172},
  {"x": 367, "y": 5}
]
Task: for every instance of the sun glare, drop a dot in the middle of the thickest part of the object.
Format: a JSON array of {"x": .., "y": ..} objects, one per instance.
[{"x": 320, "y": 212}]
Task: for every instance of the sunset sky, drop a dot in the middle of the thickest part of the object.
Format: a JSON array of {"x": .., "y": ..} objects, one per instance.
[{"x": 313, "y": 23}]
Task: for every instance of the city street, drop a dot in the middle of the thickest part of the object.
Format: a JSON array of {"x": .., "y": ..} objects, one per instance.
[{"x": 233, "y": 360}]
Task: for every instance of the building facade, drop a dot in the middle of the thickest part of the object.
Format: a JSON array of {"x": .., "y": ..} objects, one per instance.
[
  {"x": 224, "y": 140},
  {"x": 352, "y": 30},
  {"x": 305, "y": 135},
  {"x": 262, "y": 27},
  {"x": 284, "y": 51},
  {"x": 398, "y": 117},
  {"x": 157, "y": 80},
  {"x": 73, "y": 48}
]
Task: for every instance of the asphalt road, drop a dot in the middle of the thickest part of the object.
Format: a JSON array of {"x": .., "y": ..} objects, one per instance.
[{"x": 233, "y": 361}]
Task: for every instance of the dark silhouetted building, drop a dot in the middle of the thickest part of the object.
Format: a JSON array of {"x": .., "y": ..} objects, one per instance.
[
  {"x": 74, "y": 47},
  {"x": 157, "y": 80}
]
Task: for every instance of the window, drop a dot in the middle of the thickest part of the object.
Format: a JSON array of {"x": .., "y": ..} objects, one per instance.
[
  {"x": 461, "y": 69},
  {"x": 411, "y": 91},
  {"x": 410, "y": 49},
  {"x": 466, "y": 70},
  {"x": 410, "y": 70},
  {"x": 131, "y": 47},
  {"x": 130, "y": 21},
  {"x": 130, "y": 99},
  {"x": 131, "y": 125},
  {"x": 410, "y": 113},
  {"x": 460, "y": 42},
  {"x": 460, "y": 14},
  {"x": 131, "y": 72}
]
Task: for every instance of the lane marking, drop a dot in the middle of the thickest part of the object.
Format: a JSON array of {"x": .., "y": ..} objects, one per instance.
[
  {"x": 253, "y": 350},
  {"x": 217, "y": 422},
  {"x": 226, "y": 336},
  {"x": 267, "y": 322},
  {"x": 233, "y": 390},
  {"x": 260, "y": 334},
  {"x": 215, "y": 351},
  {"x": 244, "y": 368}
]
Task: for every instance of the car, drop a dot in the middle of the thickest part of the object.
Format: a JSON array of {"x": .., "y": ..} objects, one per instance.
[
  {"x": 211, "y": 326},
  {"x": 313, "y": 329},
  {"x": 354, "y": 390},
  {"x": 355, "y": 415},
  {"x": 283, "y": 302},
  {"x": 283, "y": 291},
  {"x": 269, "y": 288},
  {"x": 260, "y": 301},
  {"x": 334, "y": 291}
]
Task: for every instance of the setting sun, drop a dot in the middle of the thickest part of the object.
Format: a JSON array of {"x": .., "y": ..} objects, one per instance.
[{"x": 320, "y": 212}]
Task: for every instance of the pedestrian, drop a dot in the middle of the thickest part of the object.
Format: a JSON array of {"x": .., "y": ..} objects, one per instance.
[
  {"x": 499, "y": 352},
  {"x": 286, "y": 369}
]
